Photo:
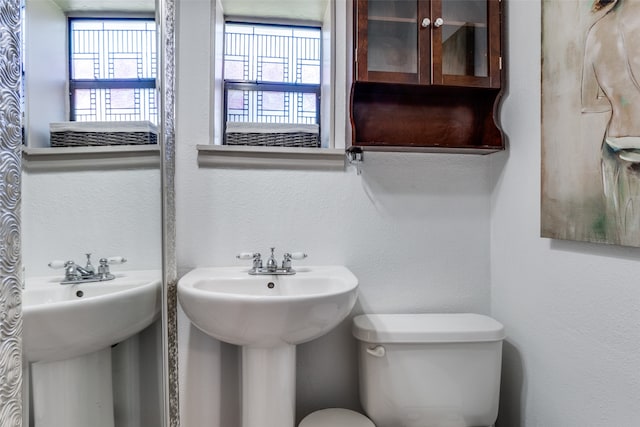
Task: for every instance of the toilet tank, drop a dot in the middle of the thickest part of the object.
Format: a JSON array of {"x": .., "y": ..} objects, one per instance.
[{"x": 429, "y": 370}]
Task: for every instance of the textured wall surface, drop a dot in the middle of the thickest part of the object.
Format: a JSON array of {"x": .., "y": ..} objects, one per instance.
[
  {"x": 105, "y": 212},
  {"x": 10, "y": 264},
  {"x": 413, "y": 229},
  {"x": 571, "y": 310}
]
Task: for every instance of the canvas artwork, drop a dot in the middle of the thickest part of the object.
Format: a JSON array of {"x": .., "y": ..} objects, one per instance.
[{"x": 591, "y": 120}]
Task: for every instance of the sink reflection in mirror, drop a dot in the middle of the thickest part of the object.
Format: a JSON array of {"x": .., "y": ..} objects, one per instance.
[
  {"x": 92, "y": 342},
  {"x": 68, "y": 334},
  {"x": 66, "y": 321}
]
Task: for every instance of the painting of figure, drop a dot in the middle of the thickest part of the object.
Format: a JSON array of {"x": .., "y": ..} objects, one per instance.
[{"x": 591, "y": 121}]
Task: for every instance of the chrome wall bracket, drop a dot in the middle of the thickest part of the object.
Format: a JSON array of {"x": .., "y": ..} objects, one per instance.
[{"x": 355, "y": 157}]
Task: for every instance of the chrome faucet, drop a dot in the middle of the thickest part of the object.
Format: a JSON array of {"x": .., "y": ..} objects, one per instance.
[
  {"x": 74, "y": 274},
  {"x": 272, "y": 264}
]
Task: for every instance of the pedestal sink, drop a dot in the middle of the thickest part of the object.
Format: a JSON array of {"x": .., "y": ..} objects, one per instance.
[
  {"x": 66, "y": 321},
  {"x": 68, "y": 331},
  {"x": 268, "y": 315}
]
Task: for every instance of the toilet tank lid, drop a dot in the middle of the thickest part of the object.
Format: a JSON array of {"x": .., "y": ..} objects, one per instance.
[{"x": 427, "y": 328}]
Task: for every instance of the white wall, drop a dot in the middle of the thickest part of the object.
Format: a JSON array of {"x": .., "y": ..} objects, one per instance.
[
  {"x": 414, "y": 228},
  {"x": 571, "y": 309},
  {"x": 46, "y": 69},
  {"x": 106, "y": 212}
]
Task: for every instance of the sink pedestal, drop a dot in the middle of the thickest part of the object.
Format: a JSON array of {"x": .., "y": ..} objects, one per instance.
[
  {"x": 268, "y": 386},
  {"x": 267, "y": 315},
  {"x": 74, "y": 392}
]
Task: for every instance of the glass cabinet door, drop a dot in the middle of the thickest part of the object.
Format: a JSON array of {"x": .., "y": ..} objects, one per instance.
[
  {"x": 462, "y": 41},
  {"x": 439, "y": 42},
  {"x": 391, "y": 52}
]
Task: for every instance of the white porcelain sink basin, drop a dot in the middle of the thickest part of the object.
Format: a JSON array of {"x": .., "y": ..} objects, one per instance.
[
  {"x": 268, "y": 315},
  {"x": 66, "y": 321},
  {"x": 267, "y": 310}
]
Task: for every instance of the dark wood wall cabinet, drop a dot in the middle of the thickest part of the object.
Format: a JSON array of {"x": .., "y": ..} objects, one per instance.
[{"x": 427, "y": 75}]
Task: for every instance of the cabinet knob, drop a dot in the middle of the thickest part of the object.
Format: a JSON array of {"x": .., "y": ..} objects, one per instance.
[
  {"x": 426, "y": 22},
  {"x": 438, "y": 22}
]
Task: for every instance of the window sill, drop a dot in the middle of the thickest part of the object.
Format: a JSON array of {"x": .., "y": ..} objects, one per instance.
[
  {"x": 90, "y": 158},
  {"x": 225, "y": 156}
]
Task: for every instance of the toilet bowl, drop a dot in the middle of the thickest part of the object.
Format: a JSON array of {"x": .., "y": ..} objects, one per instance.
[
  {"x": 335, "y": 417},
  {"x": 423, "y": 370}
]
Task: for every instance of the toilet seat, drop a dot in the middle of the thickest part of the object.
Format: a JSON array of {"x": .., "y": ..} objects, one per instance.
[{"x": 335, "y": 417}]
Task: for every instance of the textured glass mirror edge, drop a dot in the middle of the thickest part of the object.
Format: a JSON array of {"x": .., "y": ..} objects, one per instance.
[{"x": 165, "y": 12}]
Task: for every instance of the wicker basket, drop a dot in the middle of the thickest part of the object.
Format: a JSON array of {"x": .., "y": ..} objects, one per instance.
[
  {"x": 85, "y": 134},
  {"x": 272, "y": 134}
]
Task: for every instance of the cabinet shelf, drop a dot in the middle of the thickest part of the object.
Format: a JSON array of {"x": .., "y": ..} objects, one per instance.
[
  {"x": 465, "y": 24},
  {"x": 393, "y": 19},
  {"x": 428, "y": 118}
]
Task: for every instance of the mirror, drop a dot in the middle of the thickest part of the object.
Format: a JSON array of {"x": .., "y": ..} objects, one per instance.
[{"x": 95, "y": 349}]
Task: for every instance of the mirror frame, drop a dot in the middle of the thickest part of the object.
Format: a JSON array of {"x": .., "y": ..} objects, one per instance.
[
  {"x": 11, "y": 275},
  {"x": 165, "y": 13},
  {"x": 10, "y": 201}
]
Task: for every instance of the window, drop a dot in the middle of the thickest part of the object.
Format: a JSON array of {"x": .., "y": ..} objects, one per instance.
[
  {"x": 112, "y": 69},
  {"x": 272, "y": 85}
]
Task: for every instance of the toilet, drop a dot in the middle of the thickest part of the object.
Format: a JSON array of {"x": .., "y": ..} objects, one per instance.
[{"x": 423, "y": 370}]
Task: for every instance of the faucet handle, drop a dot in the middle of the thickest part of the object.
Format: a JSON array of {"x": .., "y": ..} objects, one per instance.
[
  {"x": 248, "y": 255},
  {"x": 255, "y": 256},
  {"x": 58, "y": 264},
  {"x": 286, "y": 261},
  {"x": 296, "y": 255},
  {"x": 116, "y": 260}
]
